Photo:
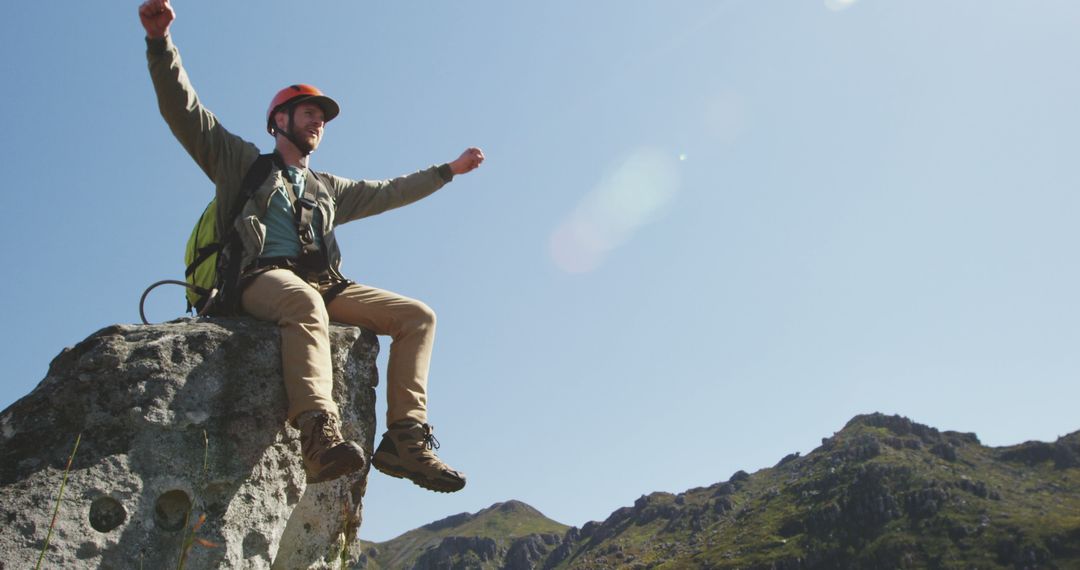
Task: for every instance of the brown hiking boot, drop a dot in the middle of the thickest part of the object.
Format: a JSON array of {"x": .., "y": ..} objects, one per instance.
[
  {"x": 326, "y": 454},
  {"x": 407, "y": 451}
]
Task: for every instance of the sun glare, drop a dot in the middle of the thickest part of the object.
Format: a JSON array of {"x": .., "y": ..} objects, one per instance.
[
  {"x": 629, "y": 197},
  {"x": 838, "y": 5}
]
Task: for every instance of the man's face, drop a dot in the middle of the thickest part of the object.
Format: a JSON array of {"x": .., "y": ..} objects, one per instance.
[{"x": 308, "y": 124}]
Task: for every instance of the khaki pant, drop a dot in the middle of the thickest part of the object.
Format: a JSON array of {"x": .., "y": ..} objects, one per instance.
[{"x": 297, "y": 306}]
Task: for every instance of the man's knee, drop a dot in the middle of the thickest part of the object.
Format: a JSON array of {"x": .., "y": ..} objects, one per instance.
[
  {"x": 303, "y": 305},
  {"x": 421, "y": 316}
]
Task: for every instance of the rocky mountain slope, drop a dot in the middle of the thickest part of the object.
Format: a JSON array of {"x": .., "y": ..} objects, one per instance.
[{"x": 884, "y": 492}]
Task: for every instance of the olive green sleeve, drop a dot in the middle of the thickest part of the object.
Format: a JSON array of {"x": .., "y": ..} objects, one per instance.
[
  {"x": 357, "y": 199},
  {"x": 222, "y": 155}
]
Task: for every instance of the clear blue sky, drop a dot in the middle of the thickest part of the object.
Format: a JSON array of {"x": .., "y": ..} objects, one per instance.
[{"x": 707, "y": 234}]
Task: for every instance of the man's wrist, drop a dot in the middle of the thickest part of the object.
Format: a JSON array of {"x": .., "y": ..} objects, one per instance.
[
  {"x": 446, "y": 172},
  {"x": 157, "y": 46}
]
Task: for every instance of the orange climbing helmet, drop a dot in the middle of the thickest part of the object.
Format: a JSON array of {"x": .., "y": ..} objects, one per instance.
[{"x": 294, "y": 94}]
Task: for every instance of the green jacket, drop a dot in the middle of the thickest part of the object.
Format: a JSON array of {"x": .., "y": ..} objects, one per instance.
[{"x": 225, "y": 158}]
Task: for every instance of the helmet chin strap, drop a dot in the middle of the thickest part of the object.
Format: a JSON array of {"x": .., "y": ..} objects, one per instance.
[{"x": 304, "y": 148}]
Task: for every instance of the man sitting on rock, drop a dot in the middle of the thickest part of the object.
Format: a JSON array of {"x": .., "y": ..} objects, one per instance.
[{"x": 291, "y": 267}]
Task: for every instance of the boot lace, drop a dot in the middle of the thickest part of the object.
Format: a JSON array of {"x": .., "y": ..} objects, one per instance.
[{"x": 429, "y": 440}]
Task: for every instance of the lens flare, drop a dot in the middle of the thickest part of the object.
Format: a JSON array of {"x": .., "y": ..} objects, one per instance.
[
  {"x": 838, "y": 5},
  {"x": 629, "y": 197}
]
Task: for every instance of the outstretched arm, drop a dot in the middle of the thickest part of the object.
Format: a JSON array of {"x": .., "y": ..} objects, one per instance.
[
  {"x": 361, "y": 198},
  {"x": 156, "y": 17}
]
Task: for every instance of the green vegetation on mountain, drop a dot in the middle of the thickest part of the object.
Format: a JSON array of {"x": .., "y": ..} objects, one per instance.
[
  {"x": 884, "y": 492},
  {"x": 478, "y": 537}
]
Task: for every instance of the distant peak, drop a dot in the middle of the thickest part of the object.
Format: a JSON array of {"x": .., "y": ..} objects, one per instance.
[
  {"x": 898, "y": 425},
  {"x": 895, "y": 423},
  {"x": 508, "y": 507},
  {"x": 901, "y": 426},
  {"x": 513, "y": 506}
]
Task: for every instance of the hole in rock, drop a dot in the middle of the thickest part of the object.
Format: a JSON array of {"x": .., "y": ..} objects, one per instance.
[
  {"x": 106, "y": 513},
  {"x": 170, "y": 509}
]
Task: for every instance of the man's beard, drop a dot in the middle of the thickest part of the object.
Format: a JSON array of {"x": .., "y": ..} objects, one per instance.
[{"x": 300, "y": 140}]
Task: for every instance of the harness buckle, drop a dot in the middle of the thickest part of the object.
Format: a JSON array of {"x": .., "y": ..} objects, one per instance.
[{"x": 306, "y": 235}]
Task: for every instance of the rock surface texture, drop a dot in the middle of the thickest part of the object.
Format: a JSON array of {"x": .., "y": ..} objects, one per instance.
[{"x": 184, "y": 451}]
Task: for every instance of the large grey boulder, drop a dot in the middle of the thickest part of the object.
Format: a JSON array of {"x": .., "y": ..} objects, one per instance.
[{"x": 178, "y": 421}]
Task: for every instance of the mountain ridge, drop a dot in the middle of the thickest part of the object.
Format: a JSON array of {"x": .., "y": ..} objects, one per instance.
[{"x": 884, "y": 491}]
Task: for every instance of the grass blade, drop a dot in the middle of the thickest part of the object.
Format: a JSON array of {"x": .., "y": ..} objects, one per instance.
[{"x": 59, "y": 497}]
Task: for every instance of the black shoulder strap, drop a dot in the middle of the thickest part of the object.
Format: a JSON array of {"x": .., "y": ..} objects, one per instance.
[
  {"x": 253, "y": 178},
  {"x": 258, "y": 172}
]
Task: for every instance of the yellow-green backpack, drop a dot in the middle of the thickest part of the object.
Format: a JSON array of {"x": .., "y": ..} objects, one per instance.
[{"x": 212, "y": 263}]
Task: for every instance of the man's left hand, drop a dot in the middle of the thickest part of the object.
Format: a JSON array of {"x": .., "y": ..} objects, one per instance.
[{"x": 468, "y": 161}]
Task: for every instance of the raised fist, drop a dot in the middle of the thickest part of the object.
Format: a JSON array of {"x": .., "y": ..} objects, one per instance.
[
  {"x": 156, "y": 15},
  {"x": 470, "y": 159}
]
